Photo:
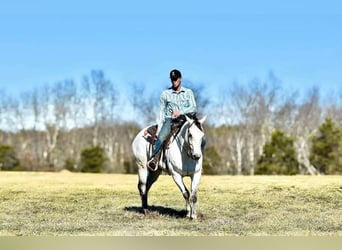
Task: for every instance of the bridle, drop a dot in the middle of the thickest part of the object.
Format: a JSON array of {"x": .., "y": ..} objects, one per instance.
[{"x": 187, "y": 143}]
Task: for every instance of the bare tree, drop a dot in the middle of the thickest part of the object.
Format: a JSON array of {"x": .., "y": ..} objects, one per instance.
[
  {"x": 233, "y": 108},
  {"x": 334, "y": 107},
  {"x": 77, "y": 112},
  {"x": 50, "y": 123},
  {"x": 3, "y": 115},
  {"x": 307, "y": 121},
  {"x": 109, "y": 129},
  {"x": 34, "y": 114},
  {"x": 2, "y": 110},
  {"x": 200, "y": 93},
  {"x": 145, "y": 106},
  {"x": 95, "y": 96},
  {"x": 250, "y": 108},
  {"x": 62, "y": 94}
]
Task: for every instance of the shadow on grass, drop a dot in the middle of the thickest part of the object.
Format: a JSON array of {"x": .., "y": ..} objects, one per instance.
[{"x": 160, "y": 210}]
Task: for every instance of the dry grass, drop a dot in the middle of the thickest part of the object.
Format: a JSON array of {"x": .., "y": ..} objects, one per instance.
[{"x": 108, "y": 204}]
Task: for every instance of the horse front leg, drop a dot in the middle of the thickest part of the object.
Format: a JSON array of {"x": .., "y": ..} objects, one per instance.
[
  {"x": 195, "y": 180},
  {"x": 186, "y": 196},
  {"x": 192, "y": 204},
  {"x": 185, "y": 192}
]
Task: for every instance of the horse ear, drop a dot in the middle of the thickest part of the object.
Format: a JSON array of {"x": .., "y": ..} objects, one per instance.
[
  {"x": 202, "y": 119},
  {"x": 188, "y": 119}
]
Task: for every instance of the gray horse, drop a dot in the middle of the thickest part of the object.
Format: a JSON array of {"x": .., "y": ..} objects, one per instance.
[{"x": 183, "y": 158}]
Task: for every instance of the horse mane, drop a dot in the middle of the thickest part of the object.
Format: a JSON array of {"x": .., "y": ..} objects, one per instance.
[
  {"x": 177, "y": 124},
  {"x": 193, "y": 116}
]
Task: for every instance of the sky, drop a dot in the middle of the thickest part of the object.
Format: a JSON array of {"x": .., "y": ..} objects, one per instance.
[{"x": 213, "y": 43}]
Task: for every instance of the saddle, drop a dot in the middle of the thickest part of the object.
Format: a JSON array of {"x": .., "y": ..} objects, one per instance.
[{"x": 151, "y": 132}]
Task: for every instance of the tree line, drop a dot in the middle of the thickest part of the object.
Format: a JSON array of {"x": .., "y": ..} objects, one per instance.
[{"x": 254, "y": 128}]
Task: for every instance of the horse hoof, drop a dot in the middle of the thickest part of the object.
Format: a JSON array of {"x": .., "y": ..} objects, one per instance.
[
  {"x": 194, "y": 217},
  {"x": 144, "y": 211}
]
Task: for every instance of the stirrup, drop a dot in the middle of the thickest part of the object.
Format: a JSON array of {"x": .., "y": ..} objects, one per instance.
[{"x": 152, "y": 164}]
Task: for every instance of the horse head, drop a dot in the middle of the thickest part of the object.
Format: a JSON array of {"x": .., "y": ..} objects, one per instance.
[{"x": 195, "y": 137}]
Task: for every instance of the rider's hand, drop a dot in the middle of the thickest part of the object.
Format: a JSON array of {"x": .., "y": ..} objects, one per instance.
[{"x": 176, "y": 113}]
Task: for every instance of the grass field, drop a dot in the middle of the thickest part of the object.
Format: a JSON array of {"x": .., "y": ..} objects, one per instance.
[{"x": 109, "y": 204}]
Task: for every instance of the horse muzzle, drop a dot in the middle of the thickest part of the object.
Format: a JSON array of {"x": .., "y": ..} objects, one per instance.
[{"x": 196, "y": 157}]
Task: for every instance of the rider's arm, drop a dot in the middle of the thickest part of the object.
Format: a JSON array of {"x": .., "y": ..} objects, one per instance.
[
  {"x": 162, "y": 106},
  {"x": 190, "y": 105}
]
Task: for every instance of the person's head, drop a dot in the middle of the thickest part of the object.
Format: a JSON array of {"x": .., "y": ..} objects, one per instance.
[{"x": 176, "y": 78}]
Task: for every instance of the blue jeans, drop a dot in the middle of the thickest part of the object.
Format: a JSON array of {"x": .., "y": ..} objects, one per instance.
[{"x": 163, "y": 134}]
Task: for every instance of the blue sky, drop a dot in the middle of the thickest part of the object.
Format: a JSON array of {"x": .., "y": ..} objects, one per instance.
[{"x": 211, "y": 42}]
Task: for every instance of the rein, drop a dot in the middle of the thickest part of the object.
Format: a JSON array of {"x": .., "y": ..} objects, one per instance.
[
  {"x": 186, "y": 145},
  {"x": 184, "y": 142}
]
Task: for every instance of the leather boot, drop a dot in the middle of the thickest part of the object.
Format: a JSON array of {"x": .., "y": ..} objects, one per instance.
[{"x": 152, "y": 164}]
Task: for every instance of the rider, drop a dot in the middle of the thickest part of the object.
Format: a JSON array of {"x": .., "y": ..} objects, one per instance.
[{"x": 174, "y": 101}]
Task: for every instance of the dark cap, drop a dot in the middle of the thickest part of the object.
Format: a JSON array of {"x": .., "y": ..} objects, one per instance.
[{"x": 175, "y": 74}]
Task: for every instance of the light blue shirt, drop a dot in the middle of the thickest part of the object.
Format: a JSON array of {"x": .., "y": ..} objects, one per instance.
[{"x": 170, "y": 100}]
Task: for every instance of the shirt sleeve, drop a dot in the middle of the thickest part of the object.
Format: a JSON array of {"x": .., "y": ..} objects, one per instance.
[
  {"x": 161, "y": 109},
  {"x": 190, "y": 107}
]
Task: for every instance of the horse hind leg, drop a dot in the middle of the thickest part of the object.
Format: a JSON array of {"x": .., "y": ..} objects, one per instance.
[
  {"x": 144, "y": 186},
  {"x": 143, "y": 195}
]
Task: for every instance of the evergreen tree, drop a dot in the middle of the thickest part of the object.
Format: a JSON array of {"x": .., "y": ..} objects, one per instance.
[
  {"x": 211, "y": 161},
  {"x": 8, "y": 158},
  {"x": 279, "y": 156},
  {"x": 326, "y": 149},
  {"x": 93, "y": 160}
]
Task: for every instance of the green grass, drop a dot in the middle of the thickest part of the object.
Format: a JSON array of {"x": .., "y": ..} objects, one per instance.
[{"x": 109, "y": 204}]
